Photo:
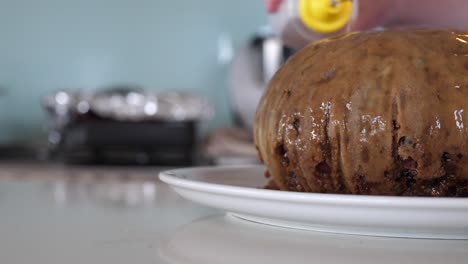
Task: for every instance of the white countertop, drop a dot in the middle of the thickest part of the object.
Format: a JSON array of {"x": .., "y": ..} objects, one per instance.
[{"x": 56, "y": 214}]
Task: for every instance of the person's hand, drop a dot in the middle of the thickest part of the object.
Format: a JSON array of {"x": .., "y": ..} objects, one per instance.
[
  {"x": 404, "y": 13},
  {"x": 272, "y": 5},
  {"x": 371, "y": 12},
  {"x": 449, "y": 14}
]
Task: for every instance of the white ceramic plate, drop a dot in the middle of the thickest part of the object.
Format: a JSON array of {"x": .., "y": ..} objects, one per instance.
[{"x": 237, "y": 190}]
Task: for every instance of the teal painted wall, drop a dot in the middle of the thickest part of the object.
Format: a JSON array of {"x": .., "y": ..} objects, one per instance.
[{"x": 52, "y": 44}]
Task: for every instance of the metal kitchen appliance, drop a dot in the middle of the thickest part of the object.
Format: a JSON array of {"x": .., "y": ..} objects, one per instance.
[
  {"x": 253, "y": 67},
  {"x": 124, "y": 125}
]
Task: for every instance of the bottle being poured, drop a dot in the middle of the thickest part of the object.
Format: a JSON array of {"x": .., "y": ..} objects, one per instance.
[{"x": 299, "y": 22}]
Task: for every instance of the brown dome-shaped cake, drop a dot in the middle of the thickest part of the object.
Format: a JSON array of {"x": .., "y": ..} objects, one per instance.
[{"x": 379, "y": 113}]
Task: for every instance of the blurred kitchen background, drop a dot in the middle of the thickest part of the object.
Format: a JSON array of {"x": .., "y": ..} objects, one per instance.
[{"x": 71, "y": 58}]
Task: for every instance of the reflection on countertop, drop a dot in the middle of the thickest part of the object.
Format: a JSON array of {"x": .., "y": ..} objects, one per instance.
[
  {"x": 246, "y": 242},
  {"x": 53, "y": 213},
  {"x": 110, "y": 186}
]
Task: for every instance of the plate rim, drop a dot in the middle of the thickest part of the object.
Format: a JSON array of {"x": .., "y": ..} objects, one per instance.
[{"x": 176, "y": 178}]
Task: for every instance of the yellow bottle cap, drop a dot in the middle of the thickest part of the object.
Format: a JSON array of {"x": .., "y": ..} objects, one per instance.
[{"x": 325, "y": 16}]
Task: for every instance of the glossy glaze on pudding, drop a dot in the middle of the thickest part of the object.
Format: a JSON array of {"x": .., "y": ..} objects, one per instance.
[{"x": 380, "y": 113}]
